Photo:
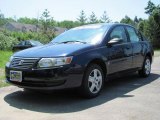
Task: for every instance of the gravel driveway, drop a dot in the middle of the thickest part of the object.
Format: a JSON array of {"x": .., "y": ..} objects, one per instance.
[{"x": 126, "y": 98}]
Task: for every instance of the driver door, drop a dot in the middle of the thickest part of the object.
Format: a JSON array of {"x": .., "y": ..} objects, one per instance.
[{"x": 120, "y": 54}]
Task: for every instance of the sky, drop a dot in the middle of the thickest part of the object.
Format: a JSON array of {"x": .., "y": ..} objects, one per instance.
[{"x": 70, "y": 9}]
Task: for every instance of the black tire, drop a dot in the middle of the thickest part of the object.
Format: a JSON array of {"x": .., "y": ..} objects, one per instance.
[
  {"x": 97, "y": 83},
  {"x": 145, "y": 72}
]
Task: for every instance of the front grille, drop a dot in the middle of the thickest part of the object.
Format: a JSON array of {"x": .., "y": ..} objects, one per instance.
[{"x": 23, "y": 63}]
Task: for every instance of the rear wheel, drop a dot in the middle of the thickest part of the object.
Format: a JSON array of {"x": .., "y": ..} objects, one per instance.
[
  {"x": 93, "y": 81},
  {"x": 146, "y": 69}
]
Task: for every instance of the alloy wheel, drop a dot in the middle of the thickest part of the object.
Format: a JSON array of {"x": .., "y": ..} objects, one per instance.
[
  {"x": 147, "y": 66},
  {"x": 95, "y": 81}
]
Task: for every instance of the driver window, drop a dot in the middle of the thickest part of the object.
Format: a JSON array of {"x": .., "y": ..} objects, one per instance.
[{"x": 118, "y": 32}]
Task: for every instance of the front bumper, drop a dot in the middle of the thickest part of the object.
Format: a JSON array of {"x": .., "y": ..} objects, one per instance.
[{"x": 68, "y": 76}]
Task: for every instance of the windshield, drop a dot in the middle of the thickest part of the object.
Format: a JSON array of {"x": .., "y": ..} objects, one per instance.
[
  {"x": 36, "y": 43},
  {"x": 88, "y": 34}
]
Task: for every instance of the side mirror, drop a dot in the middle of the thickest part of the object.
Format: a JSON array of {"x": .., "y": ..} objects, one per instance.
[{"x": 115, "y": 41}]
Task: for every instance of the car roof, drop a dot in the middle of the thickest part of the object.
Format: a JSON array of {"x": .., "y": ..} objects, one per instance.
[{"x": 99, "y": 25}]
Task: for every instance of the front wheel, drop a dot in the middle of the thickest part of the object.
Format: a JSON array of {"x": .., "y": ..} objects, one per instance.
[
  {"x": 93, "y": 81},
  {"x": 146, "y": 69}
]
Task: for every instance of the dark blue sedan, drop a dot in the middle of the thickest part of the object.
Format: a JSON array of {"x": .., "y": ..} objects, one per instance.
[{"x": 83, "y": 58}]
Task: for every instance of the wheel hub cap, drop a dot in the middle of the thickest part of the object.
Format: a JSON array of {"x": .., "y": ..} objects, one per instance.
[
  {"x": 95, "y": 81},
  {"x": 147, "y": 66}
]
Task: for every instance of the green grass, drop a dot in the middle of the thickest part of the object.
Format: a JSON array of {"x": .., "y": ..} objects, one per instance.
[{"x": 4, "y": 58}]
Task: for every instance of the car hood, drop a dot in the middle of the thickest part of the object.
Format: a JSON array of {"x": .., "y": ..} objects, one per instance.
[{"x": 55, "y": 50}]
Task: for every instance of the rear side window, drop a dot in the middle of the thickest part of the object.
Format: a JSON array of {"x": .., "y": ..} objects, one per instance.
[
  {"x": 118, "y": 32},
  {"x": 133, "y": 34}
]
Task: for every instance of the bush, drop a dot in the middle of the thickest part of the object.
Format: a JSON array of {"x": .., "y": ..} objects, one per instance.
[
  {"x": 7, "y": 42},
  {"x": 8, "y": 39},
  {"x": 42, "y": 37}
]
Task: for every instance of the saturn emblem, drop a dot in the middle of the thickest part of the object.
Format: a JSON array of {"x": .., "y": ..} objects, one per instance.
[{"x": 21, "y": 62}]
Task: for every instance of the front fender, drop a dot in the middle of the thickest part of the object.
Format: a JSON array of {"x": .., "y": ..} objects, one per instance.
[{"x": 85, "y": 58}]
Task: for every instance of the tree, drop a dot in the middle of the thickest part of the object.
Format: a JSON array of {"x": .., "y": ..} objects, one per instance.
[
  {"x": 52, "y": 22},
  {"x": 10, "y": 19},
  {"x": 152, "y": 31},
  {"x": 2, "y": 19},
  {"x": 105, "y": 18},
  {"x": 1, "y": 15},
  {"x": 82, "y": 18},
  {"x": 152, "y": 28},
  {"x": 141, "y": 26},
  {"x": 150, "y": 7},
  {"x": 68, "y": 24},
  {"x": 47, "y": 25},
  {"x": 127, "y": 20},
  {"x": 26, "y": 20},
  {"x": 45, "y": 20},
  {"x": 140, "y": 19},
  {"x": 156, "y": 15},
  {"x": 93, "y": 19},
  {"x": 136, "y": 20}
]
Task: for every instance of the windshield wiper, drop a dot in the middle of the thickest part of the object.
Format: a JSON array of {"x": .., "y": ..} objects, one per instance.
[{"x": 74, "y": 42}]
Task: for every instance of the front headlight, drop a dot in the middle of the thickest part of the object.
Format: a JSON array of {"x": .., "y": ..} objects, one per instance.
[
  {"x": 54, "y": 62},
  {"x": 10, "y": 60}
]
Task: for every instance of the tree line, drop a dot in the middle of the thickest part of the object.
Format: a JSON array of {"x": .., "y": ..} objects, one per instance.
[
  {"x": 149, "y": 27},
  {"x": 47, "y": 20}
]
